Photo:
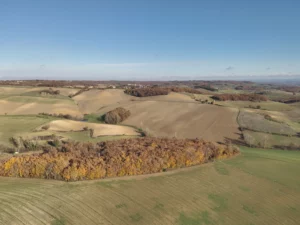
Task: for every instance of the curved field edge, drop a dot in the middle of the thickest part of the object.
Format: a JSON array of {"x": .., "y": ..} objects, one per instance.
[{"x": 248, "y": 188}]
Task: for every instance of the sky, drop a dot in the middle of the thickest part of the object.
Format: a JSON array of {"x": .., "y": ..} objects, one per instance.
[{"x": 148, "y": 39}]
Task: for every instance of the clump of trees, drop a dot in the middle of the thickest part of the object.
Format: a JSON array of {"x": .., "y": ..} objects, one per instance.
[
  {"x": 240, "y": 97},
  {"x": 116, "y": 116},
  {"x": 86, "y": 161}
]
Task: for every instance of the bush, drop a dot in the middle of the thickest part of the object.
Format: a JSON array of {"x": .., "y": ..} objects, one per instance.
[
  {"x": 116, "y": 116},
  {"x": 45, "y": 127},
  {"x": 92, "y": 131}
]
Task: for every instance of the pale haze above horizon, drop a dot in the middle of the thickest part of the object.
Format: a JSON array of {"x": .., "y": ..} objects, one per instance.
[{"x": 146, "y": 40}]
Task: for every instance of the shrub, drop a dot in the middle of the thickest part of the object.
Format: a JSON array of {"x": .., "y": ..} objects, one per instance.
[
  {"x": 92, "y": 131},
  {"x": 45, "y": 127},
  {"x": 116, "y": 116}
]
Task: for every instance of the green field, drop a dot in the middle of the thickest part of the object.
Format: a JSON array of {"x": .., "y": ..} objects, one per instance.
[
  {"x": 257, "y": 122},
  {"x": 256, "y": 187},
  {"x": 25, "y": 125},
  {"x": 19, "y": 125},
  {"x": 271, "y": 140},
  {"x": 269, "y": 105}
]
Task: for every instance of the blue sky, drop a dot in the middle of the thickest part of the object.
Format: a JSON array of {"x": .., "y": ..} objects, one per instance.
[{"x": 148, "y": 39}]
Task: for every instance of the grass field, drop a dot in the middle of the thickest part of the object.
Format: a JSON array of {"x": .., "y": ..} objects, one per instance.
[
  {"x": 257, "y": 122},
  {"x": 26, "y": 125},
  {"x": 256, "y": 187},
  {"x": 19, "y": 125},
  {"x": 277, "y": 95},
  {"x": 269, "y": 105},
  {"x": 272, "y": 140}
]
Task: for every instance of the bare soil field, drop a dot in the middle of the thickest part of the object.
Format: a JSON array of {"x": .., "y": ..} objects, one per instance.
[
  {"x": 99, "y": 129},
  {"x": 257, "y": 187},
  {"x": 93, "y": 100},
  {"x": 184, "y": 120}
]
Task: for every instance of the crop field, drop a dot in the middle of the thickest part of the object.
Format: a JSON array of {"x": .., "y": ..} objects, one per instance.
[{"x": 256, "y": 187}]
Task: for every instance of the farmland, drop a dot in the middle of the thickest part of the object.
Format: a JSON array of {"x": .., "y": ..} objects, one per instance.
[
  {"x": 257, "y": 187},
  {"x": 184, "y": 120}
]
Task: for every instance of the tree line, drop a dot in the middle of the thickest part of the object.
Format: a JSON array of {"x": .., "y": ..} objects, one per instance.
[
  {"x": 86, "y": 161},
  {"x": 240, "y": 97},
  {"x": 145, "y": 92}
]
